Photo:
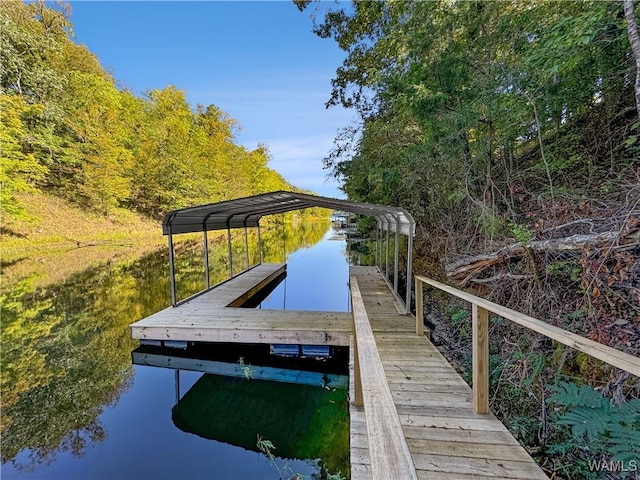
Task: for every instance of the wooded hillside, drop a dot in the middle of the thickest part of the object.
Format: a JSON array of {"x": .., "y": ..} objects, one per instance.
[{"x": 68, "y": 129}]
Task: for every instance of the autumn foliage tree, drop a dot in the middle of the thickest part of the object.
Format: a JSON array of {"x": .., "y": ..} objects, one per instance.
[{"x": 68, "y": 129}]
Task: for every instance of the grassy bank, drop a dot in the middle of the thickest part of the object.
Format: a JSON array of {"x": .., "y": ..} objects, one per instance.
[{"x": 55, "y": 239}]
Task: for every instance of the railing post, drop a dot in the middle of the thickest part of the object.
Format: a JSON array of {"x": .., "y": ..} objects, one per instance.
[
  {"x": 480, "y": 322},
  {"x": 419, "y": 308}
]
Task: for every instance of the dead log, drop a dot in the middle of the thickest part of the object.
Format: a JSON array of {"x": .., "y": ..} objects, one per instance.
[{"x": 470, "y": 267}]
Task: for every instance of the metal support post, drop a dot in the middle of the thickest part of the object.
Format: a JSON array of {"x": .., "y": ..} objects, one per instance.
[
  {"x": 386, "y": 270},
  {"x": 396, "y": 257},
  {"x": 284, "y": 241},
  {"x": 409, "y": 271},
  {"x": 246, "y": 245},
  {"x": 205, "y": 239},
  {"x": 172, "y": 271},
  {"x": 380, "y": 244},
  {"x": 259, "y": 244},
  {"x": 376, "y": 256},
  {"x": 348, "y": 239},
  {"x": 229, "y": 252}
]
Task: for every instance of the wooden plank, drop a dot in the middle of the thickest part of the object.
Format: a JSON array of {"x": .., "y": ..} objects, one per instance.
[
  {"x": 389, "y": 453},
  {"x": 458, "y": 435},
  {"x": 262, "y": 333},
  {"x": 612, "y": 356},
  {"x": 466, "y": 449},
  {"x": 254, "y": 289},
  {"x": 431, "y": 421},
  {"x": 240, "y": 288},
  {"x": 478, "y": 467},
  {"x": 358, "y": 438}
]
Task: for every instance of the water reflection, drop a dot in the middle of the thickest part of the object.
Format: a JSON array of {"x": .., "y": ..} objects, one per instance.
[
  {"x": 298, "y": 405},
  {"x": 66, "y": 346}
]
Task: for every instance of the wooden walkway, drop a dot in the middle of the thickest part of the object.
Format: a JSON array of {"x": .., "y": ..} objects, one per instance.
[
  {"x": 445, "y": 437},
  {"x": 429, "y": 406},
  {"x": 211, "y": 317}
]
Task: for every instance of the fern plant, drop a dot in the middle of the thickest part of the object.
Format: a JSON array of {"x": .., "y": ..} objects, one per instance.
[{"x": 594, "y": 419}]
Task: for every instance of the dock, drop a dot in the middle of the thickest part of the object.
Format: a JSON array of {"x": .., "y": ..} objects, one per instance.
[
  {"x": 213, "y": 316},
  {"x": 429, "y": 416},
  {"x": 445, "y": 438},
  {"x": 411, "y": 414}
]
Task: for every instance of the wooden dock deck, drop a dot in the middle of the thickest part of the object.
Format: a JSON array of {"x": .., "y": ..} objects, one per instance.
[
  {"x": 212, "y": 317},
  {"x": 429, "y": 407},
  {"x": 445, "y": 437}
]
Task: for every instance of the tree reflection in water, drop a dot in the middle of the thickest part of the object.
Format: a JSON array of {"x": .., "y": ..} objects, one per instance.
[{"x": 66, "y": 347}]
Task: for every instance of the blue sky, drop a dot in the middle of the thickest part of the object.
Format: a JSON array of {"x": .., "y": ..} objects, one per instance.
[{"x": 258, "y": 61}]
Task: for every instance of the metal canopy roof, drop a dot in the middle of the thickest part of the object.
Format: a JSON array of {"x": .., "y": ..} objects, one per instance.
[{"x": 246, "y": 212}]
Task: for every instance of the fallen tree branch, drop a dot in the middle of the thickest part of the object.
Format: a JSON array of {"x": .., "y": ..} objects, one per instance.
[
  {"x": 468, "y": 268},
  {"x": 501, "y": 277}
]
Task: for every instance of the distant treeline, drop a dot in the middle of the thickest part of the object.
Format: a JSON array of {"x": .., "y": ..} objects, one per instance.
[{"x": 67, "y": 129}]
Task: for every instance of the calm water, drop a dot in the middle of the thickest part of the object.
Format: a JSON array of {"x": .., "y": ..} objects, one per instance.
[{"x": 74, "y": 406}]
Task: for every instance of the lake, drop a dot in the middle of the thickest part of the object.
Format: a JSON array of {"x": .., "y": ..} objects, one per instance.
[{"x": 74, "y": 406}]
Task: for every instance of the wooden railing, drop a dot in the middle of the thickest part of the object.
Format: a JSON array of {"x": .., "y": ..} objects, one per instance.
[
  {"x": 480, "y": 325},
  {"x": 388, "y": 449}
]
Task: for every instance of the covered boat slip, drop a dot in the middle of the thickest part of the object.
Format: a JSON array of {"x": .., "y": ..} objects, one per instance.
[
  {"x": 411, "y": 414},
  {"x": 247, "y": 212}
]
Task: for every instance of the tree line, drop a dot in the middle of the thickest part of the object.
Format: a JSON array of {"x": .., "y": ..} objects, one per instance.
[
  {"x": 510, "y": 131},
  {"x": 66, "y": 128},
  {"x": 467, "y": 102}
]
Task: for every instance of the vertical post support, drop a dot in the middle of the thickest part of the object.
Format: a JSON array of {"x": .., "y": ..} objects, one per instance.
[
  {"x": 205, "y": 239},
  {"x": 380, "y": 247},
  {"x": 396, "y": 257},
  {"x": 376, "y": 257},
  {"x": 177, "y": 379},
  {"x": 386, "y": 269},
  {"x": 172, "y": 270},
  {"x": 410, "y": 271},
  {"x": 349, "y": 239},
  {"x": 229, "y": 252},
  {"x": 358, "y": 399},
  {"x": 259, "y": 244},
  {"x": 419, "y": 308},
  {"x": 480, "y": 359},
  {"x": 284, "y": 241},
  {"x": 246, "y": 245}
]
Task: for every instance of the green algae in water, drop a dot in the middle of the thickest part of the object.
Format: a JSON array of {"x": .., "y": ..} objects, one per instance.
[{"x": 302, "y": 421}]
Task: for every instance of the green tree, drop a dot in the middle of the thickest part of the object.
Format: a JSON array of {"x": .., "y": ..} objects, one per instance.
[{"x": 19, "y": 169}]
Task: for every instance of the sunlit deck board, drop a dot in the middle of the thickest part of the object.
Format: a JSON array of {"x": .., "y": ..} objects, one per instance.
[
  {"x": 235, "y": 291},
  {"x": 207, "y": 318},
  {"x": 446, "y": 438},
  {"x": 358, "y": 439}
]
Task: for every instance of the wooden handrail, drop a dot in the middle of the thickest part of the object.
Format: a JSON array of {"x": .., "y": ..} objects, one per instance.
[
  {"x": 610, "y": 355},
  {"x": 388, "y": 449}
]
